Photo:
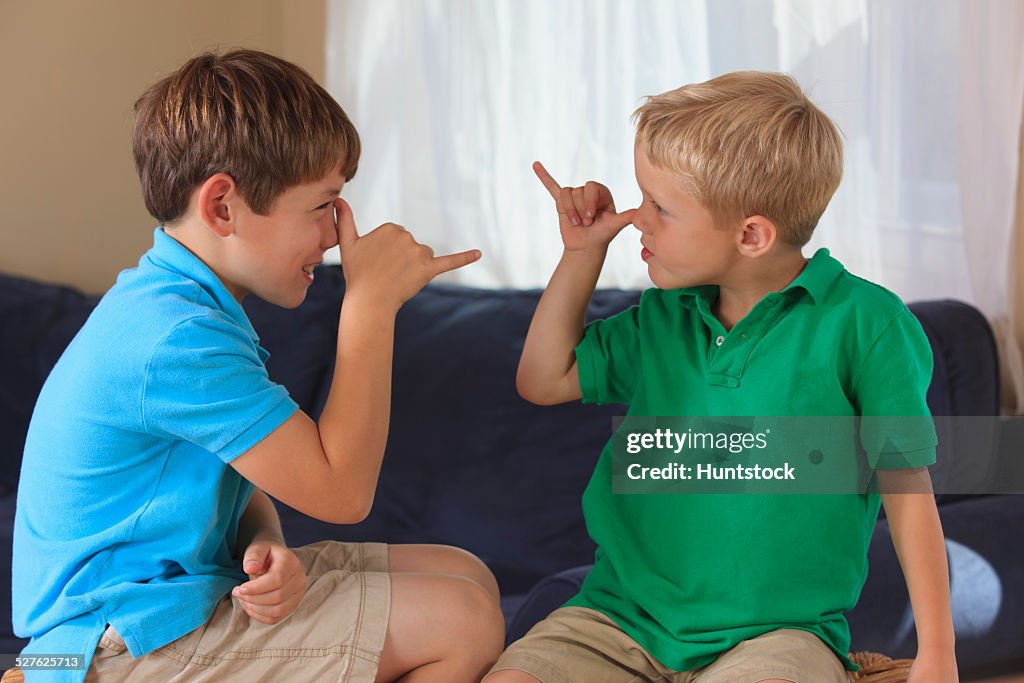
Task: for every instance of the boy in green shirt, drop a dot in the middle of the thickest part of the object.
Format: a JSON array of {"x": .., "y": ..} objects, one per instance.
[{"x": 715, "y": 588}]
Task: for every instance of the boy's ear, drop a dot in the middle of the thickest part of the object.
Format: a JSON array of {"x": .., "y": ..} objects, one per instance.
[
  {"x": 758, "y": 236},
  {"x": 217, "y": 197}
]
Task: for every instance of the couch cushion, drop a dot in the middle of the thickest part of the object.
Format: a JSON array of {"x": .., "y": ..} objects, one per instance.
[
  {"x": 965, "y": 382},
  {"x": 39, "y": 321},
  {"x": 8, "y": 641}
]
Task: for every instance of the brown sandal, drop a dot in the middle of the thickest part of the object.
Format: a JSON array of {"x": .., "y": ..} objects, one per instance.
[
  {"x": 876, "y": 668},
  {"x": 13, "y": 675}
]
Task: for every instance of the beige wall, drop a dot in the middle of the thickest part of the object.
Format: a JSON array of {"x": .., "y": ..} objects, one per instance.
[{"x": 70, "y": 209}]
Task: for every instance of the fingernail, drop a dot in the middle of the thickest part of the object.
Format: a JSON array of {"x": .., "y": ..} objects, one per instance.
[
  {"x": 590, "y": 214},
  {"x": 575, "y": 221}
]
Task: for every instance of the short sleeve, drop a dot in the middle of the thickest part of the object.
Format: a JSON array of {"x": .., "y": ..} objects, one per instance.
[
  {"x": 206, "y": 384},
  {"x": 890, "y": 389},
  {"x": 608, "y": 358}
]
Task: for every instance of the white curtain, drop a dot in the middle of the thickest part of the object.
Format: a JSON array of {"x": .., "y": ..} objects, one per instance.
[
  {"x": 992, "y": 63},
  {"x": 455, "y": 98}
]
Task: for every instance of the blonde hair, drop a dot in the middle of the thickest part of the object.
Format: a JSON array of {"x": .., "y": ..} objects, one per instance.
[
  {"x": 747, "y": 143},
  {"x": 258, "y": 118}
]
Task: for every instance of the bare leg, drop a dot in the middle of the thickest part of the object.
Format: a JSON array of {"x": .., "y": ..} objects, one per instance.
[
  {"x": 441, "y": 559},
  {"x": 443, "y": 628}
]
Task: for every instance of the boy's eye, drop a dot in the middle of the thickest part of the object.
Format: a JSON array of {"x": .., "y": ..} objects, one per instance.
[
  {"x": 657, "y": 207},
  {"x": 323, "y": 206}
]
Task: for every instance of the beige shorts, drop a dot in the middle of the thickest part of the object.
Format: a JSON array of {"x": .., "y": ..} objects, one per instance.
[
  {"x": 335, "y": 634},
  {"x": 580, "y": 645}
]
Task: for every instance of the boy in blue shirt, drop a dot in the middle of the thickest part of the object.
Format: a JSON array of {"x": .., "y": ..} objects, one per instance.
[
  {"x": 145, "y": 541},
  {"x": 710, "y": 587}
]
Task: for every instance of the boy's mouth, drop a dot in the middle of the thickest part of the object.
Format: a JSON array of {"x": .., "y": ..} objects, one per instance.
[
  {"x": 645, "y": 254},
  {"x": 308, "y": 270}
]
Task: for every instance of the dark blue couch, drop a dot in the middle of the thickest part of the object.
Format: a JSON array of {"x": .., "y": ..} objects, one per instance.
[{"x": 471, "y": 464}]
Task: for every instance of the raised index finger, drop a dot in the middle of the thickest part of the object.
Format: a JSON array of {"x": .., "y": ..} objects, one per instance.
[
  {"x": 554, "y": 189},
  {"x": 442, "y": 264}
]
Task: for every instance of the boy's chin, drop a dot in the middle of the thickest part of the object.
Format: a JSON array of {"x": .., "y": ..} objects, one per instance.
[
  {"x": 680, "y": 278},
  {"x": 284, "y": 300},
  {"x": 662, "y": 280},
  {"x": 293, "y": 302}
]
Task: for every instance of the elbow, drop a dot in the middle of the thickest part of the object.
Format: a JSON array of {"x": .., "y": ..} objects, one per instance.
[
  {"x": 348, "y": 508},
  {"x": 353, "y": 516},
  {"x": 541, "y": 400},
  {"x": 545, "y": 386},
  {"x": 361, "y": 512},
  {"x": 528, "y": 391},
  {"x": 538, "y": 393},
  {"x": 523, "y": 388},
  {"x": 346, "y": 514}
]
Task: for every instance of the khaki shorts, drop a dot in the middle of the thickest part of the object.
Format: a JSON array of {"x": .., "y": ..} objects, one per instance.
[
  {"x": 580, "y": 645},
  {"x": 335, "y": 634}
]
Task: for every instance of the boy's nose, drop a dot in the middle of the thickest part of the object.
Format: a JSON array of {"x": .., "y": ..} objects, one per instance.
[
  {"x": 639, "y": 223},
  {"x": 329, "y": 237}
]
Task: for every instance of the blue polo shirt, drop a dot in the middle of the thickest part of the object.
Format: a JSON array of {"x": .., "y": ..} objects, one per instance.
[{"x": 127, "y": 510}]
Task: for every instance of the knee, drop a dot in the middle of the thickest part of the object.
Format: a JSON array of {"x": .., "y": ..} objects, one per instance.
[
  {"x": 472, "y": 567},
  {"x": 477, "y": 619}
]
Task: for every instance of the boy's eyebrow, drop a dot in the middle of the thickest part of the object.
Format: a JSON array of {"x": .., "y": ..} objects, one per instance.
[
  {"x": 332, "y": 192},
  {"x": 648, "y": 193}
]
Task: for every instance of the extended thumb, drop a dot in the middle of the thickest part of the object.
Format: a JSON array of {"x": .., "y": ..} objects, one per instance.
[{"x": 347, "y": 232}]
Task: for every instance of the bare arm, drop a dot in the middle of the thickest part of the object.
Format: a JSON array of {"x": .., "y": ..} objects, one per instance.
[
  {"x": 547, "y": 369},
  {"x": 917, "y": 537},
  {"x": 588, "y": 222},
  {"x": 276, "y": 582},
  {"x": 329, "y": 470},
  {"x": 259, "y": 522}
]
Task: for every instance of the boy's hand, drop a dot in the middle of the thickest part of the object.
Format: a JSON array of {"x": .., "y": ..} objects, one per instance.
[
  {"x": 276, "y": 582},
  {"x": 586, "y": 215},
  {"x": 387, "y": 263}
]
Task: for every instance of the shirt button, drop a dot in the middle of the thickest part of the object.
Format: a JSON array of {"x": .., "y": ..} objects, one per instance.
[{"x": 719, "y": 340}]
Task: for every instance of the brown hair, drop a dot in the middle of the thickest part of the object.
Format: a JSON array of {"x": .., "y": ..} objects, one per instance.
[
  {"x": 747, "y": 143},
  {"x": 262, "y": 120}
]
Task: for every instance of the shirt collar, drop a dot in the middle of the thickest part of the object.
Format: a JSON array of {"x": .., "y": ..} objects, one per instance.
[
  {"x": 170, "y": 254},
  {"x": 816, "y": 278},
  {"x": 689, "y": 295}
]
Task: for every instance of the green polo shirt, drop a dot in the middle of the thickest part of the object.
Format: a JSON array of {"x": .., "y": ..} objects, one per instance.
[{"x": 690, "y": 576}]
